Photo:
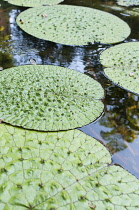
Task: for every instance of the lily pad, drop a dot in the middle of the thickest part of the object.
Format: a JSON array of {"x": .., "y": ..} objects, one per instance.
[
  {"x": 73, "y": 25},
  {"x": 123, "y": 65},
  {"x": 128, "y": 2},
  {"x": 60, "y": 170},
  {"x": 33, "y": 3},
  {"x": 48, "y": 98}
]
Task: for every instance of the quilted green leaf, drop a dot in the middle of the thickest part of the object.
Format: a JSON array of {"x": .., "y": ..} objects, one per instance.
[
  {"x": 61, "y": 170},
  {"x": 128, "y": 2},
  {"x": 33, "y": 3},
  {"x": 122, "y": 62},
  {"x": 48, "y": 98},
  {"x": 72, "y": 25}
]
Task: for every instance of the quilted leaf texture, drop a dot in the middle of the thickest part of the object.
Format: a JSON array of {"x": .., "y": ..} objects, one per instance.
[
  {"x": 122, "y": 65},
  {"x": 128, "y": 2},
  {"x": 49, "y": 98},
  {"x": 61, "y": 170},
  {"x": 73, "y": 25}
]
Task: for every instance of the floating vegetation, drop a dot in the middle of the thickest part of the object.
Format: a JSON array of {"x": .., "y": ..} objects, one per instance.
[
  {"x": 128, "y": 2},
  {"x": 61, "y": 170},
  {"x": 122, "y": 62},
  {"x": 72, "y": 25},
  {"x": 48, "y": 98},
  {"x": 33, "y": 3}
]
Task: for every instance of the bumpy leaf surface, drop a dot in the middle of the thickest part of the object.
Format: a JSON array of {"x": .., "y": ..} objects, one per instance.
[
  {"x": 61, "y": 170},
  {"x": 48, "y": 97},
  {"x": 73, "y": 25},
  {"x": 33, "y": 3},
  {"x": 128, "y": 2},
  {"x": 123, "y": 65}
]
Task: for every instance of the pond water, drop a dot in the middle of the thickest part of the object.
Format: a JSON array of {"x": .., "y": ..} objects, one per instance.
[{"x": 118, "y": 126}]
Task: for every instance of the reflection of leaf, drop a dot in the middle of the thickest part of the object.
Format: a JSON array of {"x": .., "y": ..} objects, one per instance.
[
  {"x": 33, "y": 3},
  {"x": 123, "y": 65},
  {"x": 49, "y": 97},
  {"x": 133, "y": 117},
  {"x": 5, "y": 60},
  {"x": 73, "y": 25},
  {"x": 2, "y": 28},
  {"x": 118, "y": 132},
  {"x": 6, "y": 37},
  {"x": 115, "y": 141},
  {"x": 60, "y": 170}
]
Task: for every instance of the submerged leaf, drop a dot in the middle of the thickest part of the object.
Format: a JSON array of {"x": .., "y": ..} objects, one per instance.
[
  {"x": 60, "y": 170},
  {"x": 122, "y": 62},
  {"x": 72, "y": 25},
  {"x": 33, "y": 3},
  {"x": 48, "y": 98}
]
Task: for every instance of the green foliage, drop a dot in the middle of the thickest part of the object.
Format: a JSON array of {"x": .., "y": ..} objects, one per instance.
[
  {"x": 72, "y": 25},
  {"x": 128, "y": 2},
  {"x": 48, "y": 97},
  {"x": 123, "y": 65},
  {"x": 33, "y": 3},
  {"x": 60, "y": 170}
]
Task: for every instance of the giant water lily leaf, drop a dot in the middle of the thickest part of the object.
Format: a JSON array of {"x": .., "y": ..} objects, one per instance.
[
  {"x": 60, "y": 170},
  {"x": 48, "y": 98},
  {"x": 33, "y": 3},
  {"x": 123, "y": 65},
  {"x": 72, "y": 25},
  {"x": 128, "y": 2}
]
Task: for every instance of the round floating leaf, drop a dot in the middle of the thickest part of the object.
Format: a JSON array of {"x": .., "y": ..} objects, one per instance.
[
  {"x": 128, "y": 2},
  {"x": 123, "y": 65},
  {"x": 48, "y": 98},
  {"x": 72, "y": 25},
  {"x": 60, "y": 170},
  {"x": 33, "y": 3}
]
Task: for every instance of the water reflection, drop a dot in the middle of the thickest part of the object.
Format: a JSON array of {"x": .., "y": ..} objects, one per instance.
[
  {"x": 118, "y": 127},
  {"x": 24, "y": 47},
  {"x": 115, "y": 130}
]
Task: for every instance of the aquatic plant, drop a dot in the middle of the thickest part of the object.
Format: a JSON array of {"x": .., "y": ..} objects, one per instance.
[
  {"x": 128, "y": 2},
  {"x": 49, "y": 98},
  {"x": 57, "y": 170},
  {"x": 72, "y": 25},
  {"x": 60, "y": 170},
  {"x": 122, "y": 62},
  {"x": 33, "y": 3}
]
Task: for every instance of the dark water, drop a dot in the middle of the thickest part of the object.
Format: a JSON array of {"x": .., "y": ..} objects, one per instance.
[{"x": 118, "y": 127}]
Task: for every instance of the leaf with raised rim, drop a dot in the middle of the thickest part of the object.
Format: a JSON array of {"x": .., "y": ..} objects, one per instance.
[
  {"x": 122, "y": 62},
  {"x": 49, "y": 97},
  {"x": 73, "y": 25},
  {"x": 33, "y": 3}
]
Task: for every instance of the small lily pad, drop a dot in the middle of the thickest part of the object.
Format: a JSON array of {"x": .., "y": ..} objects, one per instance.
[
  {"x": 122, "y": 62},
  {"x": 128, "y": 2},
  {"x": 33, "y": 3},
  {"x": 73, "y": 25},
  {"x": 60, "y": 170},
  {"x": 48, "y": 98}
]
